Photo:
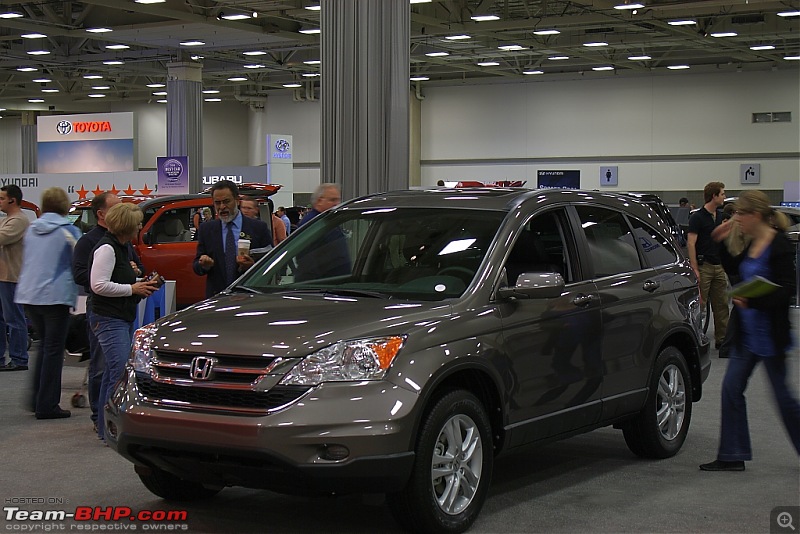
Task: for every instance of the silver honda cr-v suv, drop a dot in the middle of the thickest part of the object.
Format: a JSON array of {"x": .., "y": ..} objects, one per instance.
[{"x": 400, "y": 341}]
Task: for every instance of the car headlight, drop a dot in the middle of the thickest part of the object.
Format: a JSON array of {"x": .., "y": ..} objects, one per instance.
[
  {"x": 140, "y": 351},
  {"x": 359, "y": 359}
]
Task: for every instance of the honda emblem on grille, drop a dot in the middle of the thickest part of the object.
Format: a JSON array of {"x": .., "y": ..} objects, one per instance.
[{"x": 202, "y": 367}]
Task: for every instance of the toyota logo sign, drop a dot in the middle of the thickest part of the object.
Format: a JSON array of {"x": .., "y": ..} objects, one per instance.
[{"x": 64, "y": 127}]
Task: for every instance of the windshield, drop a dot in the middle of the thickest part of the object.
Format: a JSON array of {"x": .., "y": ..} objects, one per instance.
[{"x": 410, "y": 253}]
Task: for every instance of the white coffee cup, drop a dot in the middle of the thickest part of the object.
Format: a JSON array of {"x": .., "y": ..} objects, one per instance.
[{"x": 244, "y": 247}]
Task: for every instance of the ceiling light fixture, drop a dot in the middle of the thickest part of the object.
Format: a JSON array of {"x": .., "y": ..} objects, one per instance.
[
  {"x": 312, "y": 62},
  {"x": 11, "y": 15},
  {"x": 117, "y": 47},
  {"x": 558, "y": 58},
  {"x": 678, "y": 67},
  {"x": 196, "y": 57},
  {"x": 437, "y": 54},
  {"x": 459, "y": 37},
  {"x": 724, "y": 34},
  {"x": 113, "y": 62},
  {"x": 595, "y": 44},
  {"x": 32, "y": 35},
  {"x": 310, "y": 74},
  {"x": 682, "y": 22},
  {"x": 191, "y": 42},
  {"x": 789, "y": 14},
  {"x": 629, "y": 6},
  {"x": 150, "y": 1},
  {"x": 791, "y": 58},
  {"x": 38, "y": 52},
  {"x": 237, "y": 79},
  {"x": 546, "y": 32},
  {"x": 254, "y": 53},
  {"x": 419, "y": 79},
  {"x": 311, "y": 31},
  {"x": 99, "y": 30},
  {"x": 42, "y": 80},
  {"x": 604, "y": 68},
  {"x": 49, "y": 90},
  {"x": 254, "y": 66},
  {"x": 314, "y": 8},
  {"x": 27, "y": 69},
  {"x": 292, "y": 85},
  {"x": 484, "y": 18},
  {"x": 213, "y": 99},
  {"x": 210, "y": 91},
  {"x": 639, "y": 58},
  {"x": 155, "y": 85},
  {"x": 511, "y": 48},
  {"x": 234, "y": 16},
  {"x": 36, "y": 100},
  {"x": 96, "y": 95},
  {"x": 92, "y": 77},
  {"x": 161, "y": 101},
  {"x": 160, "y": 93},
  {"x": 419, "y": 1},
  {"x": 762, "y": 47},
  {"x": 488, "y": 64},
  {"x": 535, "y": 71},
  {"x": 101, "y": 87}
]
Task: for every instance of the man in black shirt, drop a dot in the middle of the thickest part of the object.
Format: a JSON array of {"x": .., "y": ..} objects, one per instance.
[{"x": 705, "y": 259}]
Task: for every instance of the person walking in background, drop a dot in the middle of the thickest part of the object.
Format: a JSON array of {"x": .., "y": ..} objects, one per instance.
[
  {"x": 80, "y": 271},
  {"x": 704, "y": 255},
  {"x": 47, "y": 290},
  {"x": 217, "y": 245},
  {"x": 281, "y": 213},
  {"x": 324, "y": 197},
  {"x": 249, "y": 208},
  {"x": 12, "y": 232},
  {"x": 115, "y": 294},
  {"x": 761, "y": 329}
]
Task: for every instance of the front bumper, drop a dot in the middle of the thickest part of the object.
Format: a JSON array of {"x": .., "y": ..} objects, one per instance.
[{"x": 287, "y": 451}]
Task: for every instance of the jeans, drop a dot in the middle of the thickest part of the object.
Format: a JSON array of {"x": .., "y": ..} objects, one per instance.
[
  {"x": 115, "y": 337},
  {"x": 97, "y": 363},
  {"x": 734, "y": 434},
  {"x": 714, "y": 289},
  {"x": 16, "y": 324},
  {"x": 52, "y": 323}
]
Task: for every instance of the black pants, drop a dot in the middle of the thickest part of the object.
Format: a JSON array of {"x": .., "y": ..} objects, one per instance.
[{"x": 51, "y": 323}]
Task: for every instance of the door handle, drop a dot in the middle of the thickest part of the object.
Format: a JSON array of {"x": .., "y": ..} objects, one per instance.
[
  {"x": 582, "y": 300},
  {"x": 650, "y": 286}
]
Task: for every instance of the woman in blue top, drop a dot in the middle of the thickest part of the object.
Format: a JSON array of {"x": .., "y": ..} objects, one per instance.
[
  {"x": 762, "y": 329},
  {"x": 47, "y": 290}
]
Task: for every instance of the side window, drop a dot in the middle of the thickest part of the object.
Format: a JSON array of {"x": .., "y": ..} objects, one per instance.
[
  {"x": 657, "y": 249},
  {"x": 540, "y": 247},
  {"x": 611, "y": 243},
  {"x": 173, "y": 226}
]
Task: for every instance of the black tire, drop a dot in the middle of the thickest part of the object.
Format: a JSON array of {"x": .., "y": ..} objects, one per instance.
[
  {"x": 172, "y": 488},
  {"x": 417, "y": 506},
  {"x": 661, "y": 427}
]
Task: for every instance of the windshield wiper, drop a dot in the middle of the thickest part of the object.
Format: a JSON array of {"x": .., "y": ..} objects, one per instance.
[
  {"x": 345, "y": 292},
  {"x": 245, "y": 289}
]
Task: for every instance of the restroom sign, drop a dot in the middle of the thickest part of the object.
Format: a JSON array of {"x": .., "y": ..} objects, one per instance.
[{"x": 608, "y": 175}]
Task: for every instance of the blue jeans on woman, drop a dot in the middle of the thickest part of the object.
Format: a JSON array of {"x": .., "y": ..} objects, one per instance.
[
  {"x": 734, "y": 434},
  {"x": 115, "y": 337},
  {"x": 51, "y": 322}
]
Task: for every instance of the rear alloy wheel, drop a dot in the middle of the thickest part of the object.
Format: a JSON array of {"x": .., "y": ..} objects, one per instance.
[
  {"x": 661, "y": 427},
  {"x": 172, "y": 488},
  {"x": 452, "y": 470}
]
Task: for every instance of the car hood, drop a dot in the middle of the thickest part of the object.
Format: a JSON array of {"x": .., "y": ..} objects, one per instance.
[{"x": 289, "y": 325}]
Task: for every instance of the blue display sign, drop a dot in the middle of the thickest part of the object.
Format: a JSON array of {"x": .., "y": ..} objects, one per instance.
[
  {"x": 558, "y": 179},
  {"x": 173, "y": 175}
]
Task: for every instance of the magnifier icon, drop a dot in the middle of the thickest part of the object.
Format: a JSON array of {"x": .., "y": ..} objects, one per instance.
[{"x": 785, "y": 520}]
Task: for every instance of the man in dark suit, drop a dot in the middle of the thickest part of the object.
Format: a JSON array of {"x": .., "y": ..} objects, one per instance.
[{"x": 217, "y": 254}]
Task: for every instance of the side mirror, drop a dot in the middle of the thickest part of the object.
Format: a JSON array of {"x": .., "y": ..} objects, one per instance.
[
  {"x": 147, "y": 238},
  {"x": 534, "y": 286}
]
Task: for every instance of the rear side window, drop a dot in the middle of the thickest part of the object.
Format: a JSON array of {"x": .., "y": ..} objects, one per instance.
[
  {"x": 658, "y": 251},
  {"x": 611, "y": 244}
]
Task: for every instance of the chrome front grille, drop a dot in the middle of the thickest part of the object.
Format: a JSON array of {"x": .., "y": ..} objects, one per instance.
[{"x": 219, "y": 382}]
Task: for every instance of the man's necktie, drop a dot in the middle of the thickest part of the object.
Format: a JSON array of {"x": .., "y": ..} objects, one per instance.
[{"x": 230, "y": 255}]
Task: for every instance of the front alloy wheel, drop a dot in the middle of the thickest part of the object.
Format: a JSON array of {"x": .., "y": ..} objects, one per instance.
[
  {"x": 671, "y": 403},
  {"x": 452, "y": 470}
]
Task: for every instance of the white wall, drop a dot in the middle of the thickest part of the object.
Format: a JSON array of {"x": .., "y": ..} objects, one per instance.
[{"x": 664, "y": 133}]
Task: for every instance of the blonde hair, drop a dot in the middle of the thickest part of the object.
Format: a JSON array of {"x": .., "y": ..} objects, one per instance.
[
  {"x": 55, "y": 200},
  {"x": 123, "y": 219},
  {"x": 757, "y": 202},
  {"x": 736, "y": 241}
]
